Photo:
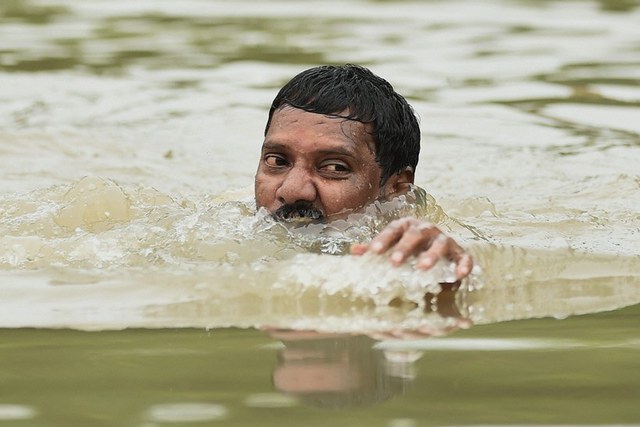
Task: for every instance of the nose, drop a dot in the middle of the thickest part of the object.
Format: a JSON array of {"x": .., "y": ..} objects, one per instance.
[{"x": 297, "y": 186}]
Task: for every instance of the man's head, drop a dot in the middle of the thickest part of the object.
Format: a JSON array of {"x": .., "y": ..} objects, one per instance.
[{"x": 337, "y": 139}]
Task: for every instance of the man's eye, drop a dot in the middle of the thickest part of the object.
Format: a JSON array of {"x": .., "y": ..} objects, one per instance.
[
  {"x": 275, "y": 161},
  {"x": 336, "y": 167}
]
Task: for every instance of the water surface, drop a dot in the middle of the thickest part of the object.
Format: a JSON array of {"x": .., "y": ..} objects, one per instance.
[{"x": 129, "y": 136}]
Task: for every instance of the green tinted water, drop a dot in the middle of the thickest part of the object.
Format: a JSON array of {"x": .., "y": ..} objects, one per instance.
[{"x": 583, "y": 370}]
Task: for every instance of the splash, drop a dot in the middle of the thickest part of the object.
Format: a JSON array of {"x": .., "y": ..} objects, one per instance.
[{"x": 202, "y": 254}]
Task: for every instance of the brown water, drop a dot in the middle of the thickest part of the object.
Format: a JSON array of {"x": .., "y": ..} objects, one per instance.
[{"x": 129, "y": 135}]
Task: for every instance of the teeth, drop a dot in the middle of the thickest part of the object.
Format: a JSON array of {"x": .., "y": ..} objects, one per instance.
[{"x": 300, "y": 219}]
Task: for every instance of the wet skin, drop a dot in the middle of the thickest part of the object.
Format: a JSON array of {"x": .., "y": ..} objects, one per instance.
[
  {"x": 322, "y": 168},
  {"x": 325, "y": 162}
]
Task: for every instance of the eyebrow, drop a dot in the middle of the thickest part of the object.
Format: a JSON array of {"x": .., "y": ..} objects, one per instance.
[
  {"x": 341, "y": 150},
  {"x": 273, "y": 146}
]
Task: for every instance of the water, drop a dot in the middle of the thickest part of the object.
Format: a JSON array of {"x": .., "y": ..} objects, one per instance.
[{"x": 138, "y": 286}]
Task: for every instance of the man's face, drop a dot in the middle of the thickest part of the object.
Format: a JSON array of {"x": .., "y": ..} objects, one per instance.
[{"x": 316, "y": 166}]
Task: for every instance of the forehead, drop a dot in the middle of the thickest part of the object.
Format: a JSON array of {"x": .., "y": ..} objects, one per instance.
[{"x": 295, "y": 126}]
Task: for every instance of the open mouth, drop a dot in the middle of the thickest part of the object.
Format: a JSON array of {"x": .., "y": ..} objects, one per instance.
[{"x": 298, "y": 212}]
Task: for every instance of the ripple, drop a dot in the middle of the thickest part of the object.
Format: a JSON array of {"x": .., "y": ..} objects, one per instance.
[
  {"x": 186, "y": 412},
  {"x": 270, "y": 400},
  {"x": 603, "y": 116},
  {"x": 478, "y": 344},
  {"x": 16, "y": 412}
]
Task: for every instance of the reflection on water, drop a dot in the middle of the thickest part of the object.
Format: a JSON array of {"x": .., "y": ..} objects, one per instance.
[
  {"x": 337, "y": 371},
  {"x": 129, "y": 135}
]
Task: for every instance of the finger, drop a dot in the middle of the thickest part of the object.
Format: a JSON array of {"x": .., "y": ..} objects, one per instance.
[
  {"x": 409, "y": 334},
  {"x": 384, "y": 240},
  {"x": 464, "y": 323},
  {"x": 464, "y": 265},
  {"x": 432, "y": 331},
  {"x": 439, "y": 249},
  {"x": 389, "y": 235},
  {"x": 415, "y": 238},
  {"x": 381, "y": 336},
  {"x": 358, "y": 249}
]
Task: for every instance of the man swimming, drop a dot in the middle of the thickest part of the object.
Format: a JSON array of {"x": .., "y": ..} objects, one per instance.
[{"x": 337, "y": 139}]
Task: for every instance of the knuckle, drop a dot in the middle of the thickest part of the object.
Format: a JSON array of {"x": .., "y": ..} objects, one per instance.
[
  {"x": 442, "y": 240},
  {"x": 394, "y": 225},
  {"x": 415, "y": 229}
]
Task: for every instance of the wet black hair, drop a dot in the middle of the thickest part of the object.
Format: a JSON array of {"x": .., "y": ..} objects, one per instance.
[{"x": 367, "y": 98}]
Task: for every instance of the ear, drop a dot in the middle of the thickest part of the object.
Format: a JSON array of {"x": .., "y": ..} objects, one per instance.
[{"x": 398, "y": 184}]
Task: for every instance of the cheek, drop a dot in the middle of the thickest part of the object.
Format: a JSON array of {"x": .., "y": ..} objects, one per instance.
[
  {"x": 264, "y": 194},
  {"x": 351, "y": 195},
  {"x": 368, "y": 184}
]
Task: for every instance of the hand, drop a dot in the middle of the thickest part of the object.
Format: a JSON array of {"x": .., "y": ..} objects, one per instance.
[{"x": 407, "y": 237}]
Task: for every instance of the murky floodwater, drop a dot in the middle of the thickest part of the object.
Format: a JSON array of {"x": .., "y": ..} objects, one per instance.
[{"x": 129, "y": 136}]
